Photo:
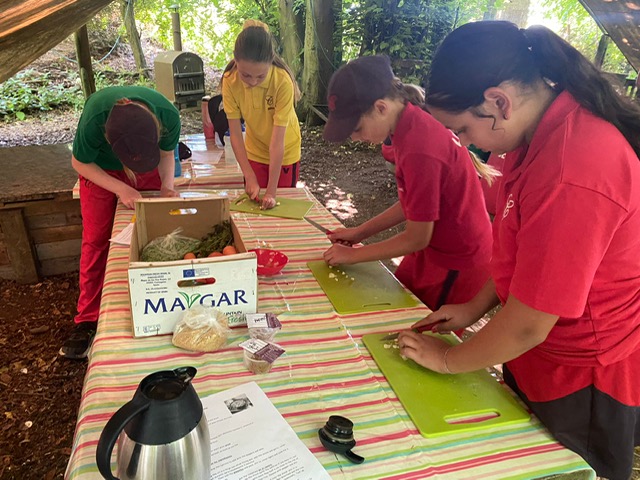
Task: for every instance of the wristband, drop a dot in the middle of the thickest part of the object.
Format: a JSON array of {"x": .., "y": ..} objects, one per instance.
[{"x": 444, "y": 361}]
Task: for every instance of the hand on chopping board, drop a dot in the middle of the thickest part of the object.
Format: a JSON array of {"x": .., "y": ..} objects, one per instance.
[
  {"x": 252, "y": 188},
  {"x": 425, "y": 350},
  {"x": 168, "y": 192},
  {"x": 345, "y": 236},
  {"x": 341, "y": 255},
  {"x": 448, "y": 318},
  {"x": 268, "y": 202}
]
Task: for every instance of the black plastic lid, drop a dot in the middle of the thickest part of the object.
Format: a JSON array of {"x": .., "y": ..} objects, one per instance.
[{"x": 174, "y": 408}]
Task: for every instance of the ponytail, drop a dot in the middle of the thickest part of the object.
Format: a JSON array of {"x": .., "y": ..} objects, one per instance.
[
  {"x": 415, "y": 95},
  {"x": 497, "y": 51},
  {"x": 256, "y": 44},
  {"x": 569, "y": 70}
]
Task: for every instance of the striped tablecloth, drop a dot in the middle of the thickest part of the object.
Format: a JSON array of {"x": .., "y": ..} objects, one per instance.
[
  {"x": 206, "y": 168},
  {"x": 326, "y": 370}
]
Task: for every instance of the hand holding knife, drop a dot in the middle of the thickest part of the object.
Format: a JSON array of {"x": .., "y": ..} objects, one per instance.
[{"x": 422, "y": 328}]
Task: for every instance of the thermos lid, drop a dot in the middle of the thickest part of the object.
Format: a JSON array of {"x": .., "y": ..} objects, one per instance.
[{"x": 174, "y": 407}]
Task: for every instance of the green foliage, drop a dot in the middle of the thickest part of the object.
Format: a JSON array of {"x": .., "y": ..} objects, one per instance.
[
  {"x": 209, "y": 27},
  {"x": 30, "y": 91},
  {"x": 580, "y": 30},
  {"x": 408, "y": 31}
]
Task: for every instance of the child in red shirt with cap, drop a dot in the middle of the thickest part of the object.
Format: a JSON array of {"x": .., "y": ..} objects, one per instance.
[
  {"x": 124, "y": 144},
  {"x": 566, "y": 256},
  {"x": 446, "y": 243}
]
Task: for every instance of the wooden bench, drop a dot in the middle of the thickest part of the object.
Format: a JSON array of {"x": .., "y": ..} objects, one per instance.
[{"x": 40, "y": 222}]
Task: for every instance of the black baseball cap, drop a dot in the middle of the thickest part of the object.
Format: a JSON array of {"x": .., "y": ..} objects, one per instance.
[
  {"x": 353, "y": 89},
  {"x": 132, "y": 132}
]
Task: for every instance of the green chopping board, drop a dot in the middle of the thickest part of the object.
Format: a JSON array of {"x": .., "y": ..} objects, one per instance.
[
  {"x": 363, "y": 287},
  {"x": 437, "y": 403},
  {"x": 287, "y": 208}
]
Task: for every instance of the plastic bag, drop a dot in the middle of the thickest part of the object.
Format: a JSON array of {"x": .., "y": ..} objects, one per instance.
[
  {"x": 169, "y": 247},
  {"x": 201, "y": 329}
]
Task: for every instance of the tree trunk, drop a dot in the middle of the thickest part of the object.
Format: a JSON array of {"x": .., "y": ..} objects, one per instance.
[
  {"x": 368, "y": 29},
  {"x": 338, "y": 32},
  {"x": 318, "y": 56},
  {"x": 490, "y": 12},
  {"x": 291, "y": 35},
  {"x": 83, "y": 54},
  {"x": 603, "y": 44},
  {"x": 126, "y": 7},
  {"x": 516, "y": 11}
]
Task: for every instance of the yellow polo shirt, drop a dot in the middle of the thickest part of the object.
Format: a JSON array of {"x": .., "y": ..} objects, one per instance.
[{"x": 263, "y": 107}]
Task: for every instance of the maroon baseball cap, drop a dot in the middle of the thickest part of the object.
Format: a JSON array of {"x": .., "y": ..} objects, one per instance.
[
  {"x": 353, "y": 90},
  {"x": 133, "y": 134}
]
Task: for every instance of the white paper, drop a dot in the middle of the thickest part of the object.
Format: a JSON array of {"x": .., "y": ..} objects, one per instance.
[
  {"x": 124, "y": 237},
  {"x": 250, "y": 440}
]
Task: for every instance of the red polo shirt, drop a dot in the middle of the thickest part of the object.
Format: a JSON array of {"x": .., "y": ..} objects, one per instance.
[
  {"x": 567, "y": 242},
  {"x": 437, "y": 182}
]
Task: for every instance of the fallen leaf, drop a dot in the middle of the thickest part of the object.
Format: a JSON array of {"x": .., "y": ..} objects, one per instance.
[{"x": 37, "y": 330}]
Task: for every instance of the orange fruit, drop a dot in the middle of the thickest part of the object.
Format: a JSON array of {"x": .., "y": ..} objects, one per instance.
[
  {"x": 215, "y": 254},
  {"x": 189, "y": 256},
  {"x": 229, "y": 250}
]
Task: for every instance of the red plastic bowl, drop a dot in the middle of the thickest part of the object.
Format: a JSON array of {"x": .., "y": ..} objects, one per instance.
[{"x": 270, "y": 262}]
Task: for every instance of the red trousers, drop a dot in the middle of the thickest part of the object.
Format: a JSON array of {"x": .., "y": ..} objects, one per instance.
[
  {"x": 289, "y": 174},
  {"x": 98, "y": 208},
  {"x": 435, "y": 285}
]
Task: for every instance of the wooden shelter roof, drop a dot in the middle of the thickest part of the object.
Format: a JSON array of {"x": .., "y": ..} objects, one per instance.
[
  {"x": 621, "y": 20},
  {"x": 30, "y": 28}
]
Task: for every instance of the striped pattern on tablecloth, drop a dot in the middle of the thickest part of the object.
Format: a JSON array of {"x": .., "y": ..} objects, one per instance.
[{"x": 326, "y": 370}]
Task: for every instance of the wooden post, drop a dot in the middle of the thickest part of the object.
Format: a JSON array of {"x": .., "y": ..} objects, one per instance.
[
  {"x": 604, "y": 42},
  {"x": 83, "y": 54},
  {"x": 19, "y": 245}
]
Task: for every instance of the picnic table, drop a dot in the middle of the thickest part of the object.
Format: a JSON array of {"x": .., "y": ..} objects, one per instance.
[{"x": 326, "y": 371}]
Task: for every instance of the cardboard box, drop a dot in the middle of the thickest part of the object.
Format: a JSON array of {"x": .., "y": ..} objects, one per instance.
[{"x": 161, "y": 291}]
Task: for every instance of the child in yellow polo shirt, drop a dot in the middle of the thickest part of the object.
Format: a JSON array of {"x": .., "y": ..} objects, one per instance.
[{"x": 259, "y": 87}]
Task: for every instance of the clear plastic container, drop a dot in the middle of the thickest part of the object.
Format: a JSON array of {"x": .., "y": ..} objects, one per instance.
[
  {"x": 256, "y": 365},
  {"x": 263, "y": 333}
]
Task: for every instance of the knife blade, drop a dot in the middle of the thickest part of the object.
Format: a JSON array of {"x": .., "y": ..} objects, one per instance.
[
  {"x": 420, "y": 329},
  {"x": 324, "y": 230}
]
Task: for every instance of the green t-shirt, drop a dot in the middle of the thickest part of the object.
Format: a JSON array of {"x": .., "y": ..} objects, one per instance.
[{"x": 90, "y": 144}]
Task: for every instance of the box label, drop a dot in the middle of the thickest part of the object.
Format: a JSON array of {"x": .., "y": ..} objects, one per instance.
[{"x": 160, "y": 295}]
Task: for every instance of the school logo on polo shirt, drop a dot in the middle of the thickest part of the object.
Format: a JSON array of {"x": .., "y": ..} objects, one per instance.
[
  {"x": 269, "y": 99},
  {"x": 508, "y": 206}
]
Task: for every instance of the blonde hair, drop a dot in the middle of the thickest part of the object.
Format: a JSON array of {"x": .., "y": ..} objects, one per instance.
[
  {"x": 256, "y": 44},
  {"x": 416, "y": 95}
]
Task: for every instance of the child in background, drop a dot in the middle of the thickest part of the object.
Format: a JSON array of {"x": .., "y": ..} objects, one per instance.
[
  {"x": 447, "y": 239},
  {"x": 124, "y": 144},
  {"x": 259, "y": 87},
  {"x": 566, "y": 263}
]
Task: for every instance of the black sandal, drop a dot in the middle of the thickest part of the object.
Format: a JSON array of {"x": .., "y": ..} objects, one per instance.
[{"x": 78, "y": 344}]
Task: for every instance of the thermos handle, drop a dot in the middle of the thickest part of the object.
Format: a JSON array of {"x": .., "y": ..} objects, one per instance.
[{"x": 112, "y": 429}]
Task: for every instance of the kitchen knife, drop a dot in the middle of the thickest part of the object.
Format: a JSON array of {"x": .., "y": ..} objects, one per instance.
[
  {"x": 422, "y": 328},
  {"x": 326, "y": 231}
]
